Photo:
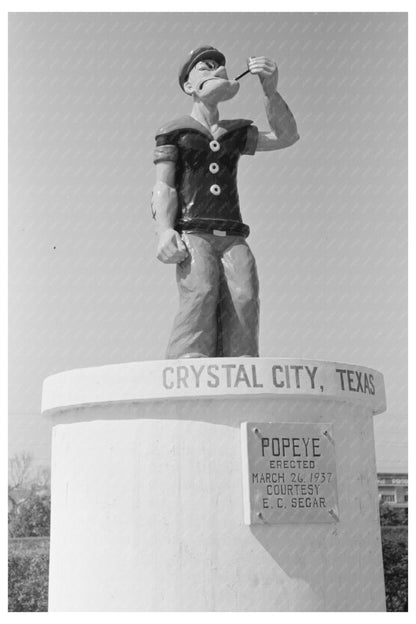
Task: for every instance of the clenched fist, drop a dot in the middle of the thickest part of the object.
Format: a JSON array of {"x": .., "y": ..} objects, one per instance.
[
  {"x": 266, "y": 69},
  {"x": 171, "y": 249}
]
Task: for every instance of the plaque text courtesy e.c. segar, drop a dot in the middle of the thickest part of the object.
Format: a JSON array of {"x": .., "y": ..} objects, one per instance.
[{"x": 289, "y": 473}]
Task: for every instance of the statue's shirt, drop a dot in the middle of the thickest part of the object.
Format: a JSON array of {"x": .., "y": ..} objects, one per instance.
[{"x": 206, "y": 172}]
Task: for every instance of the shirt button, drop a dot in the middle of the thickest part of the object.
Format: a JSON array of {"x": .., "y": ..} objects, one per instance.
[
  {"x": 214, "y": 168},
  {"x": 214, "y": 145},
  {"x": 215, "y": 189}
]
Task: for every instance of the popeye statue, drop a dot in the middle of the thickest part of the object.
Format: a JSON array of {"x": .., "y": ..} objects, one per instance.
[{"x": 196, "y": 207}]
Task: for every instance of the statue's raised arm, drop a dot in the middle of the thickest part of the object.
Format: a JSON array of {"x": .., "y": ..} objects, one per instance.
[{"x": 284, "y": 131}]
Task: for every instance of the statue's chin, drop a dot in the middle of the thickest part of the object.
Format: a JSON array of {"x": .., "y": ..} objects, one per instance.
[
  {"x": 220, "y": 90},
  {"x": 233, "y": 88}
]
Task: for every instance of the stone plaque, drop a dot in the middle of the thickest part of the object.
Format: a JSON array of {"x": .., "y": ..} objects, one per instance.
[{"x": 289, "y": 473}]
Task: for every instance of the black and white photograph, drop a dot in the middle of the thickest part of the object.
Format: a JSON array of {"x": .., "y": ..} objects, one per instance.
[{"x": 207, "y": 311}]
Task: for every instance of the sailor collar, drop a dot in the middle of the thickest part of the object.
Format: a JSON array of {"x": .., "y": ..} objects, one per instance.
[{"x": 187, "y": 122}]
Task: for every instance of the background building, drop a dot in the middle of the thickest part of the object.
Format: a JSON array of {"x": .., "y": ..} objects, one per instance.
[{"x": 392, "y": 488}]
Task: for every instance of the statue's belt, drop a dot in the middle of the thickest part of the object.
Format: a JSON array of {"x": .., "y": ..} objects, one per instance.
[{"x": 218, "y": 227}]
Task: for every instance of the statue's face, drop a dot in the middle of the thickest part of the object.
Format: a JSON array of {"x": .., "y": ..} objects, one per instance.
[{"x": 208, "y": 81}]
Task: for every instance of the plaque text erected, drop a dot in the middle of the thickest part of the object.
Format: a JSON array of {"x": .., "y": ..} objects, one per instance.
[{"x": 289, "y": 473}]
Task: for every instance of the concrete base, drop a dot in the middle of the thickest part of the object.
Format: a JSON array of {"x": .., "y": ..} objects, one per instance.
[{"x": 147, "y": 502}]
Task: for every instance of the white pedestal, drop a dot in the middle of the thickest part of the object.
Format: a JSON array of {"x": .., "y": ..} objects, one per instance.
[{"x": 147, "y": 488}]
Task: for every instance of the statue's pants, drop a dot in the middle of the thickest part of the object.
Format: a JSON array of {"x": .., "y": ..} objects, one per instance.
[{"x": 218, "y": 299}]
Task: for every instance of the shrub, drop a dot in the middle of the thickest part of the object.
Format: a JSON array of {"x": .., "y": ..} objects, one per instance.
[
  {"x": 394, "y": 544},
  {"x": 28, "y": 576},
  {"x": 392, "y": 516},
  {"x": 31, "y": 518}
]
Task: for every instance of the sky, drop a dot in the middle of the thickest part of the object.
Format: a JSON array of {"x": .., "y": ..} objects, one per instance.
[{"x": 328, "y": 216}]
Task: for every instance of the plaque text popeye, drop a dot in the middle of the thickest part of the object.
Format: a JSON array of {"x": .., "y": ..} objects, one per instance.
[{"x": 289, "y": 473}]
